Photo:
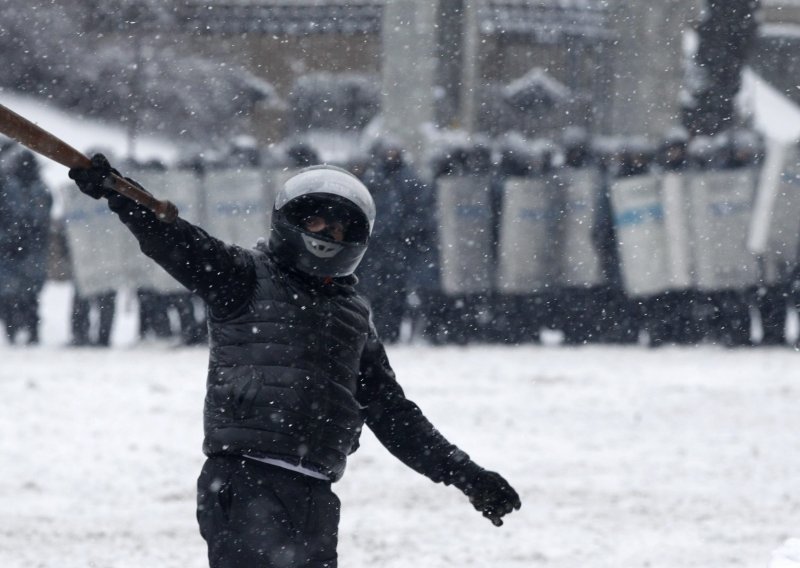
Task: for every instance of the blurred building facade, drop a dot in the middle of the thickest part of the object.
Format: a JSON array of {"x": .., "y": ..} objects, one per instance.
[
  {"x": 561, "y": 42},
  {"x": 530, "y": 65}
]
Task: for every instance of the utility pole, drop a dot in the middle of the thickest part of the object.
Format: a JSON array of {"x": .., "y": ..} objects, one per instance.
[
  {"x": 471, "y": 71},
  {"x": 409, "y": 71}
]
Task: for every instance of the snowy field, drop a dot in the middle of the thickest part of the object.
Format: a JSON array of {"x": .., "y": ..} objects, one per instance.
[{"x": 624, "y": 457}]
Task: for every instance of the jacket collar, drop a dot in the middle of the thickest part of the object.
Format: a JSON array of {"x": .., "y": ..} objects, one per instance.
[{"x": 341, "y": 283}]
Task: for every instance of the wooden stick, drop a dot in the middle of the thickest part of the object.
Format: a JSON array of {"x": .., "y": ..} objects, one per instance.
[{"x": 43, "y": 142}]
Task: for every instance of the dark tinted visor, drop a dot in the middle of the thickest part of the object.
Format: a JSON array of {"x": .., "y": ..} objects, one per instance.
[{"x": 331, "y": 208}]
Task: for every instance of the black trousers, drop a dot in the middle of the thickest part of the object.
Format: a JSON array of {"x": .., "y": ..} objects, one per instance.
[
  {"x": 81, "y": 308},
  {"x": 255, "y": 515}
]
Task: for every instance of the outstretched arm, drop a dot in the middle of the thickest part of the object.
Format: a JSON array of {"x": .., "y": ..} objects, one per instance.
[
  {"x": 222, "y": 275},
  {"x": 403, "y": 429}
]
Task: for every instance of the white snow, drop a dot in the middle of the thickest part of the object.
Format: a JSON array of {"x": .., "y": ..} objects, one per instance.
[
  {"x": 624, "y": 457},
  {"x": 774, "y": 115}
]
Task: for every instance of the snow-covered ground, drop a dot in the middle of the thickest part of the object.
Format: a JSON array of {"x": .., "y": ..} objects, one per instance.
[{"x": 624, "y": 457}]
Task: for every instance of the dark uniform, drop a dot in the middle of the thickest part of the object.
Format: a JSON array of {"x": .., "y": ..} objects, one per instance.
[
  {"x": 770, "y": 298},
  {"x": 9, "y": 202},
  {"x": 26, "y": 250},
  {"x": 395, "y": 249},
  {"x": 580, "y": 307},
  {"x": 671, "y": 314},
  {"x": 522, "y": 315},
  {"x": 105, "y": 306},
  {"x": 724, "y": 313},
  {"x": 619, "y": 321},
  {"x": 451, "y": 317}
]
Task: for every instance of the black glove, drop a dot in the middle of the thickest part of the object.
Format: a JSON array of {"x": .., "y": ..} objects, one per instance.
[
  {"x": 93, "y": 181},
  {"x": 123, "y": 206},
  {"x": 492, "y": 496}
]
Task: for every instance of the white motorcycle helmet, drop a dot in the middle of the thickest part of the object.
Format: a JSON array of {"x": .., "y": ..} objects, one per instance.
[{"x": 345, "y": 205}]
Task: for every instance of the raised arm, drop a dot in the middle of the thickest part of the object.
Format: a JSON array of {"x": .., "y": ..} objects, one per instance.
[
  {"x": 221, "y": 274},
  {"x": 403, "y": 429}
]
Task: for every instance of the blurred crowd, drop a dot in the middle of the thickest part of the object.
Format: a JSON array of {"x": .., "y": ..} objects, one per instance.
[{"x": 402, "y": 272}]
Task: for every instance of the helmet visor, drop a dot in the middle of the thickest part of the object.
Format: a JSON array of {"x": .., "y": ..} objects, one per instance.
[{"x": 328, "y": 216}]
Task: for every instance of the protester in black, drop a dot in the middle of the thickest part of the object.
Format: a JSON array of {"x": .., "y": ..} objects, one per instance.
[
  {"x": 296, "y": 369},
  {"x": 25, "y": 246}
]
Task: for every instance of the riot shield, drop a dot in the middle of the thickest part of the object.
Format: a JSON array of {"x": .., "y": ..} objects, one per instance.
[
  {"x": 101, "y": 248},
  {"x": 721, "y": 207},
  {"x": 238, "y": 205},
  {"x": 641, "y": 234},
  {"x": 784, "y": 235},
  {"x": 579, "y": 261},
  {"x": 677, "y": 224},
  {"x": 465, "y": 233},
  {"x": 775, "y": 228},
  {"x": 182, "y": 187},
  {"x": 527, "y": 257}
]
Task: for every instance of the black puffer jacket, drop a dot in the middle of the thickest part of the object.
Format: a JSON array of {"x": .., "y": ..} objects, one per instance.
[
  {"x": 296, "y": 367},
  {"x": 284, "y": 372}
]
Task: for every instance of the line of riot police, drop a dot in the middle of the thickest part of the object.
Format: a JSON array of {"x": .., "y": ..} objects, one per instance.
[
  {"x": 611, "y": 241},
  {"x": 599, "y": 239}
]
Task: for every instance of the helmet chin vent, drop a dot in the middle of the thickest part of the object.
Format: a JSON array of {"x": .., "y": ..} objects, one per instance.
[
  {"x": 334, "y": 195},
  {"x": 321, "y": 248}
]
